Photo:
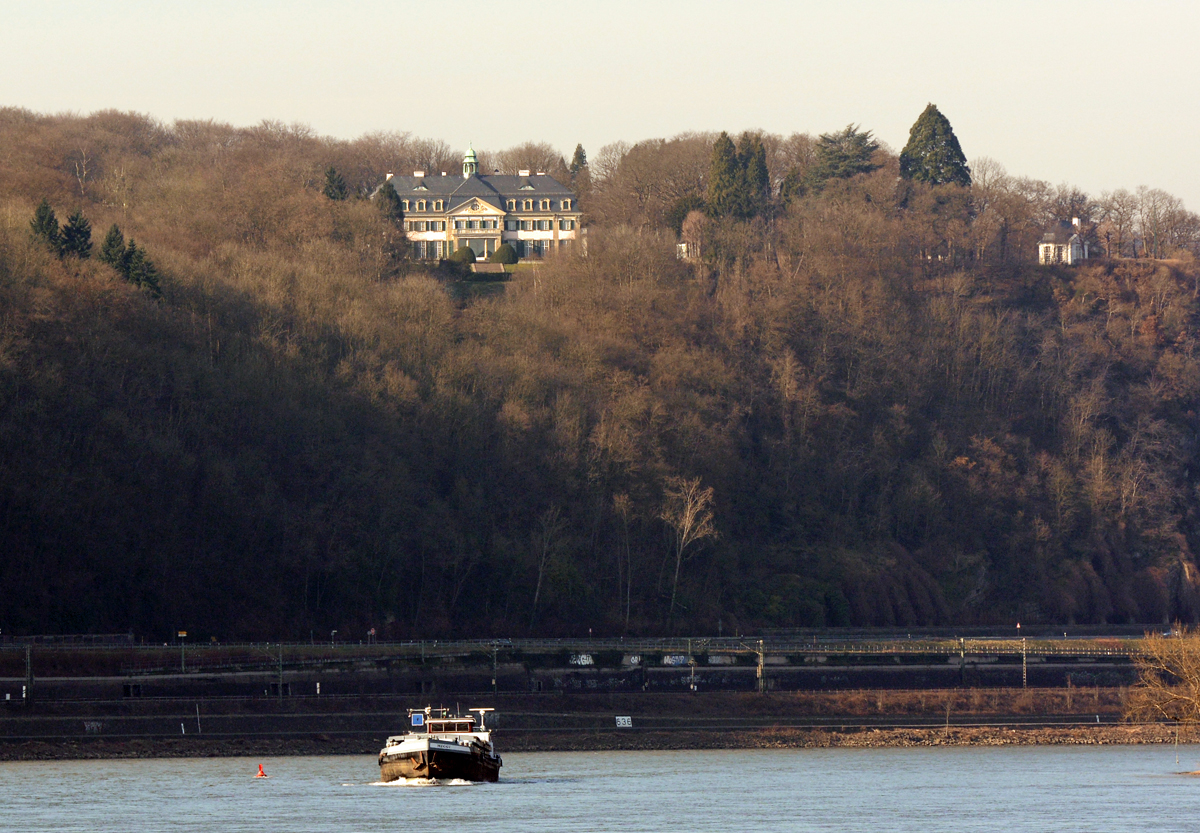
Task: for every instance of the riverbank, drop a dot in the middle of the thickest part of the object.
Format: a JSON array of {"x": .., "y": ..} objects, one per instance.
[{"x": 782, "y": 738}]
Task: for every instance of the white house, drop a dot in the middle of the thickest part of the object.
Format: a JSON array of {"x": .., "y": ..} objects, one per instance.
[
  {"x": 534, "y": 212},
  {"x": 1063, "y": 244}
]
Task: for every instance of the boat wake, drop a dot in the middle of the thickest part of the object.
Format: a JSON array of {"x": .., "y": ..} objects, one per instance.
[{"x": 426, "y": 782}]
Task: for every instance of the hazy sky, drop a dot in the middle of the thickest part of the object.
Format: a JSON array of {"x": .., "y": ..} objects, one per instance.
[{"x": 1099, "y": 94}]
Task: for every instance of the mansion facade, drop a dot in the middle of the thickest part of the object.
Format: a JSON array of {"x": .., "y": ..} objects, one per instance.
[{"x": 535, "y": 213}]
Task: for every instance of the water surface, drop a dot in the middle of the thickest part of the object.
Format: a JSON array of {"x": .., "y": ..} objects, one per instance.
[{"x": 959, "y": 789}]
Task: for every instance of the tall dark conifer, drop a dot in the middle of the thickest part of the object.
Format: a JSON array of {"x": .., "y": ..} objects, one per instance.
[
  {"x": 933, "y": 154},
  {"x": 724, "y": 178},
  {"x": 77, "y": 236},
  {"x": 112, "y": 250},
  {"x": 139, "y": 270},
  {"x": 45, "y": 227},
  {"x": 578, "y": 161},
  {"x": 388, "y": 202},
  {"x": 335, "y": 185},
  {"x": 756, "y": 180}
]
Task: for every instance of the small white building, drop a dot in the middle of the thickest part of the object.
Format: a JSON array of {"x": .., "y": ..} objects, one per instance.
[
  {"x": 534, "y": 212},
  {"x": 1063, "y": 244}
]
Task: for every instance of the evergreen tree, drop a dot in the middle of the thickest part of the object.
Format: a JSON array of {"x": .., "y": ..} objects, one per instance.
[
  {"x": 77, "y": 237},
  {"x": 933, "y": 154},
  {"x": 725, "y": 179},
  {"x": 792, "y": 187},
  {"x": 112, "y": 250},
  {"x": 680, "y": 209},
  {"x": 45, "y": 227},
  {"x": 139, "y": 270},
  {"x": 388, "y": 202},
  {"x": 578, "y": 162},
  {"x": 756, "y": 181},
  {"x": 335, "y": 185},
  {"x": 842, "y": 155}
]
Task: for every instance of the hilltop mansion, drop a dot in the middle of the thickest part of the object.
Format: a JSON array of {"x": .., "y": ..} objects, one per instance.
[{"x": 534, "y": 212}]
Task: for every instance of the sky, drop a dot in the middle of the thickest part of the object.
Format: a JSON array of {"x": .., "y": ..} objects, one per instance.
[{"x": 1102, "y": 94}]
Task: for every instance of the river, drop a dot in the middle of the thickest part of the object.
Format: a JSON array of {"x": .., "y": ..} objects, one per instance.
[{"x": 1014, "y": 789}]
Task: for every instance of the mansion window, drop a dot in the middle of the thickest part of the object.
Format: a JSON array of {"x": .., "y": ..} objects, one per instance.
[
  {"x": 545, "y": 225},
  {"x": 428, "y": 250},
  {"x": 420, "y": 205},
  {"x": 512, "y": 205},
  {"x": 545, "y": 205},
  {"x": 438, "y": 205},
  {"x": 511, "y": 225},
  {"x": 566, "y": 225},
  {"x": 566, "y": 205},
  {"x": 527, "y": 205},
  {"x": 404, "y": 205},
  {"x": 527, "y": 225}
]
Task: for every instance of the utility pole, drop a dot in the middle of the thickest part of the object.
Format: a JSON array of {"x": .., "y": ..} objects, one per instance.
[
  {"x": 494, "y": 650},
  {"x": 281, "y": 673},
  {"x": 28, "y": 675},
  {"x": 1024, "y": 670},
  {"x": 762, "y": 680}
]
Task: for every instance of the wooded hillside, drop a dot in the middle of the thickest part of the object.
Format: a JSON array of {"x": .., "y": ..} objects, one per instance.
[{"x": 901, "y": 417}]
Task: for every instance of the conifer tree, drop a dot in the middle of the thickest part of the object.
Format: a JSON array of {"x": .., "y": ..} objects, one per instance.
[
  {"x": 76, "y": 237},
  {"x": 112, "y": 250},
  {"x": 388, "y": 202},
  {"x": 45, "y": 227},
  {"x": 792, "y": 187},
  {"x": 842, "y": 155},
  {"x": 756, "y": 181},
  {"x": 725, "y": 179},
  {"x": 933, "y": 154},
  {"x": 335, "y": 185},
  {"x": 139, "y": 270},
  {"x": 578, "y": 161}
]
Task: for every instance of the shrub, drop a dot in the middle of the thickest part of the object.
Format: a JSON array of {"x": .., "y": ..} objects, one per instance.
[
  {"x": 505, "y": 254},
  {"x": 463, "y": 257}
]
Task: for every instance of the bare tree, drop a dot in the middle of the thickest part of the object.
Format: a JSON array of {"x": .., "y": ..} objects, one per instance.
[
  {"x": 552, "y": 525},
  {"x": 535, "y": 157},
  {"x": 686, "y": 512},
  {"x": 1118, "y": 210},
  {"x": 1168, "y": 686},
  {"x": 624, "y": 508}
]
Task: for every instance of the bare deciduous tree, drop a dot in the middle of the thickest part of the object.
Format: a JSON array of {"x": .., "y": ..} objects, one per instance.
[
  {"x": 1168, "y": 686},
  {"x": 687, "y": 514},
  {"x": 551, "y": 525}
]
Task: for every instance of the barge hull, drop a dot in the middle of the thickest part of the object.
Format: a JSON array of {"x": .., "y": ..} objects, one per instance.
[{"x": 441, "y": 765}]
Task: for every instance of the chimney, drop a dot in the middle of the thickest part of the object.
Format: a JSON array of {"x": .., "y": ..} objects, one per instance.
[
  {"x": 1075, "y": 223},
  {"x": 389, "y": 177},
  {"x": 522, "y": 173},
  {"x": 443, "y": 173},
  {"x": 541, "y": 173},
  {"x": 418, "y": 174}
]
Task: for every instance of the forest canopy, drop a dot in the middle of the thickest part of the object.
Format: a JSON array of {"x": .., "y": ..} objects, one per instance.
[{"x": 883, "y": 410}]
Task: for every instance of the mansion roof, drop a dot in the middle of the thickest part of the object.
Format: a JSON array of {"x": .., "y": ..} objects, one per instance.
[{"x": 494, "y": 189}]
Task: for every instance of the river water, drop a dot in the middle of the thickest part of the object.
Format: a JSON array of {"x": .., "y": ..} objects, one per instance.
[{"x": 1011, "y": 789}]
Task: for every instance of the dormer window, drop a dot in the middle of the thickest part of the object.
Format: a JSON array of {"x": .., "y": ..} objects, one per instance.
[
  {"x": 437, "y": 205},
  {"x": 527, "y": 205},
  {"x": 566, "y": 205},
  {"x": 404, "y": 205},
  {"x": 512, "y": 205},
  {"x": 544, "y": 206},
  {"x": 420, "y": 205}
]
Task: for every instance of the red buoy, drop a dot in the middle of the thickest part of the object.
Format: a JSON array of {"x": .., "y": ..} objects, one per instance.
[{"x": 261, "y": 774}]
